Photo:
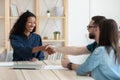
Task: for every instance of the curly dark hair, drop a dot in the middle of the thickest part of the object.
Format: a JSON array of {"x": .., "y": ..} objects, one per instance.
[{"x": 19, "y": 26}]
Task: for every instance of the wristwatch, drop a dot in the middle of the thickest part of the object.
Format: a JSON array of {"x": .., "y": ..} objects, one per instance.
[{"x": 69, "y": 66}]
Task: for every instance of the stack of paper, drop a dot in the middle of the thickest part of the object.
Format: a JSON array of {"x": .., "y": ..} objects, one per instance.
[{"x": 54, "y": 67}]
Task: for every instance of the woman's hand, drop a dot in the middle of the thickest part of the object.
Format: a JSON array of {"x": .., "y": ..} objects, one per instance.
[
  {"x": 65, "y": 62},
  {"x": 34, "y": 60}
]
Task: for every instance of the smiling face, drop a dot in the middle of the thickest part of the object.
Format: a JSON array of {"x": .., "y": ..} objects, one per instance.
[{"x": 30, "y": 24}]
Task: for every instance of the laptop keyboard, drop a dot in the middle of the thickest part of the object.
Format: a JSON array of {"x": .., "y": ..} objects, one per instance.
[{"x": 27, "y": 65}]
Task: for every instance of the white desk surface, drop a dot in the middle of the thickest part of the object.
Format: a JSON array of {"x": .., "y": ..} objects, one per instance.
[
  {"x": 7, "y": 73},
  {"x": 66, "y": 74}
]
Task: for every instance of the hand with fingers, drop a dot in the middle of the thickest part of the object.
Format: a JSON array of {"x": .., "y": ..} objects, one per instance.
[
  {"x": 64, "y": 62},
  {"x": 34, "y": 60},
  {"x": 50, "y": 49}
]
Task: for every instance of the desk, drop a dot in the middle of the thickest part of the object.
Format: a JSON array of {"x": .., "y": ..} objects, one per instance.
[
  {"x": 10, "y": 74},
  {"x": 6, "y": 73},
  {"x": 66, "y": 74}
]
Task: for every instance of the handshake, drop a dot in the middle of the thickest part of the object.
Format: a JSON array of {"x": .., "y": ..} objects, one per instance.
[{"x": 49, "y": 49}]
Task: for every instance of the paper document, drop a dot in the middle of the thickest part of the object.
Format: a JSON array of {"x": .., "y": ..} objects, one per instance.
[
  {"x": 6, "y": 64},
  {"x": 54, "y": 67}
]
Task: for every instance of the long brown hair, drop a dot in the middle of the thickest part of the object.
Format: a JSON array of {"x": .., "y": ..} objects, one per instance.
[
  {"x": 109, "y": 36},
  {"x": 97, "y": 19}
]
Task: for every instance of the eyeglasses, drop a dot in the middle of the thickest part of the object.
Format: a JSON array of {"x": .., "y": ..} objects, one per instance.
[{"x": 88, "y": 27}]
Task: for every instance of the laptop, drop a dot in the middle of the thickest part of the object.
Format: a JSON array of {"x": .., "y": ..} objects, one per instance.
[{"x": 30, "y": 65}]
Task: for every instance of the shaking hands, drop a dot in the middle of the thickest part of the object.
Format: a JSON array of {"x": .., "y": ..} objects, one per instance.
[{"x": 50, "y": 49}]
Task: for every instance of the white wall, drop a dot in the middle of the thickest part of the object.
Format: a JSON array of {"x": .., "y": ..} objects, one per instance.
[
  {"x": 80, "y": 11},
  {"x": 108, "y": 8},
  {"x": 78, "y": 19}
]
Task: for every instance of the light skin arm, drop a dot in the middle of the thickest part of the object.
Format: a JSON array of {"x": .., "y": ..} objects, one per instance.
[
  {"x": 72, "y": 50},
  {"x": 65, "y": 61}
]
